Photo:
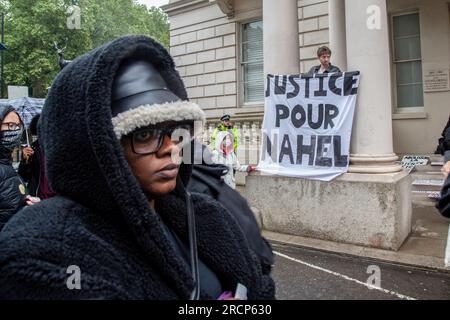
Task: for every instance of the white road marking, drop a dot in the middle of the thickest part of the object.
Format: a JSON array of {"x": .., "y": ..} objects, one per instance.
[
  {"x": 447, "y": 250},
  {"x": 398, "y": 295}
]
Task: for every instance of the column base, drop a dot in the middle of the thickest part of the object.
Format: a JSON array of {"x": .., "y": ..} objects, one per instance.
[
  {"x": 362, "y": 209},
  {"x": 370, "y": 163}
]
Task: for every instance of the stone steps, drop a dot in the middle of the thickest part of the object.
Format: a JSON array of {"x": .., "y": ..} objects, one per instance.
[{"x": 425, "y": 180}]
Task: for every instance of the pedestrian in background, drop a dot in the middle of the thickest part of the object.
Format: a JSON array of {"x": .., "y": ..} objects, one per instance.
[
  {"x": 226, "y": 126},
  {"x": 224, "y": 154},
  {"x": 32, "y": 166},
  {"x": 443, "y": 143},
  {"x": 444, "y": 201},
  {"x": 13, "y": 194}
]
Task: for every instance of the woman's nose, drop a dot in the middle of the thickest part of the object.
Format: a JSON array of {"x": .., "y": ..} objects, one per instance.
[{"x": 169, "y": 146}]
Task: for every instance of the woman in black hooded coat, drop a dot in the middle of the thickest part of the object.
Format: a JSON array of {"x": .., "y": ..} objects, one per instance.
[
  {"x": 102, "y": 221},
  {"x": 12, "y": 188}
]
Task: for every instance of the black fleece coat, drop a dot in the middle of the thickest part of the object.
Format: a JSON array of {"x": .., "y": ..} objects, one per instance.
[
  {"x": 444, "y": 202},
  {"x": 12, "y": 188},
  {"x": 29, "y": 170},
  {"x": 207, "y": 179},
  {"x": 101, "y": 220},
  {"x": 444, "y": 140}
]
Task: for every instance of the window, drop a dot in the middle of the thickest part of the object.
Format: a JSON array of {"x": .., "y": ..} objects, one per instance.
[
  {"x": 408, "y": 61},
  {"x": 252, "y": 73}
]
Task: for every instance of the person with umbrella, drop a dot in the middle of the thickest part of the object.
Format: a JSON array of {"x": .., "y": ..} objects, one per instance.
[
  {"x": 13, "y": 194},
  {"x": 27, "y": 108},
  {"x": 32, "y": 166}
]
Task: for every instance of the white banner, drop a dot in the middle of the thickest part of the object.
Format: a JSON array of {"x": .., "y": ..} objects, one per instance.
[{"x": 307, "y": 125}]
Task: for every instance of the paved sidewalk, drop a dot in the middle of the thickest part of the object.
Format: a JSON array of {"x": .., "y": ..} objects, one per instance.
[
  {"x": 301, "y": 273},
  {"x": 424, "y": 248}
]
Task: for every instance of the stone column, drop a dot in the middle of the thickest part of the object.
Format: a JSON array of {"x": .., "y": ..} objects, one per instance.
[
  {"x": 368, "y": 52},
  {"x": 338, "y": 42},
  {"x": 281, "y": 46}
]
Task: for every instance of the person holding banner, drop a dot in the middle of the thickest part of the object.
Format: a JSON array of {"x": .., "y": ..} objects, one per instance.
[
  {"x": 324, "y": 55},
  {"x": 224, "y": 154}
]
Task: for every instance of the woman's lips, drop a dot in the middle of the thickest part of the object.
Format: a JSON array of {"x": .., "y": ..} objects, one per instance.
[{"x": 168, "y": 172}]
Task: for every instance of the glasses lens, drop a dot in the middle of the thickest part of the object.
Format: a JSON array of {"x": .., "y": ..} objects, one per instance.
[
  {"x": 12, "y": 126},
  {"x": 182, "y": 133},
  {"x": 146, "y": 140},
  {"x": 149, "y": 140}
]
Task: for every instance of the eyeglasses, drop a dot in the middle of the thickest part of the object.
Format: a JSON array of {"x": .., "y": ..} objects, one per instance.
[
  {"x": 12, "y": 126},
  {"x": 149, "y": 140}
]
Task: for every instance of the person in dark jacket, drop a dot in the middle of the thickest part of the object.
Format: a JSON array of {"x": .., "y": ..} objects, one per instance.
[
  {"x": 12, "y": 188},
  {"x": 325, "y": 66},
  {"x": 122, "y": 224},
  {"x": 32, "y": 166},
  {"x": 207, "y": 178},
  {"x": 444, "y": 201},
  {"x": 443, "y": 143}
]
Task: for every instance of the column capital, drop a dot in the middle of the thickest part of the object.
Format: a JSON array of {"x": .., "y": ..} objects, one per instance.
[{"x": 226, "y": 6}]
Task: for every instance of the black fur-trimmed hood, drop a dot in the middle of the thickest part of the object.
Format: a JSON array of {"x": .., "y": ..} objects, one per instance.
[
  {"x": 84, "y": 158},
  {"x": 101, "y": 220},
  {"x": 85, "y": 161}
]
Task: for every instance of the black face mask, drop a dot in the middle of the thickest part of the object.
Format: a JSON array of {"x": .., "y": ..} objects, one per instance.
[{"x": 10, "y": 139}]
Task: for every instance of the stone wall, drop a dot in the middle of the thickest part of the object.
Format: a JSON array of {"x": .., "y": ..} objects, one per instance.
[
  {"x": 313, "y": 30},
  {"x": 203, "y": 44}
]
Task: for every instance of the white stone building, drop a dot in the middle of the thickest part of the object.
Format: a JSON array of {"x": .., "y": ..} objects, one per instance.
[
  {"x": 218, "y": 49},
  {"x": 223, "y": 49}
]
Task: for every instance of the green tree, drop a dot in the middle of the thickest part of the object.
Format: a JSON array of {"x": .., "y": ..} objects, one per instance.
[{"x": 33, "y": 25}]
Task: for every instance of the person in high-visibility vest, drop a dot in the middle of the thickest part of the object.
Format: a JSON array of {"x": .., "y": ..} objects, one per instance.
[{"x": 226, "y": 125}]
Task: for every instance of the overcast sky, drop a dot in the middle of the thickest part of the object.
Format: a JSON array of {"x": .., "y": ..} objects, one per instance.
[{"x": 156, "y": 3}]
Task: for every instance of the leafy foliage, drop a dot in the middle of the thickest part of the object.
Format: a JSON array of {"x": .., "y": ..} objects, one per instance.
[{"x": 32, "y": 26}]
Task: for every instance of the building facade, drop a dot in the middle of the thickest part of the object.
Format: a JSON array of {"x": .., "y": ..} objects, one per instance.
[{"x": 223, "y": 48}]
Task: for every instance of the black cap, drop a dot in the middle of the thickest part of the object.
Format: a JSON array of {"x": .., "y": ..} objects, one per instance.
[
  {"x": 225, "y": 117},
  {"x": 137, "y": 83}
]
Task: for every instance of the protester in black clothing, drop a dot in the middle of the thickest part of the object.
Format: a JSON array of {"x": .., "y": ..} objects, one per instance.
[
  {"x": 122, "y": 215},
  {"x": 12, "y": 188},
  {"x": 207, "y": 178},
  {"x": 443, "y": 143},
  {"x": 444, "y": 201},
  {"x": 32, "y": 166}
]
